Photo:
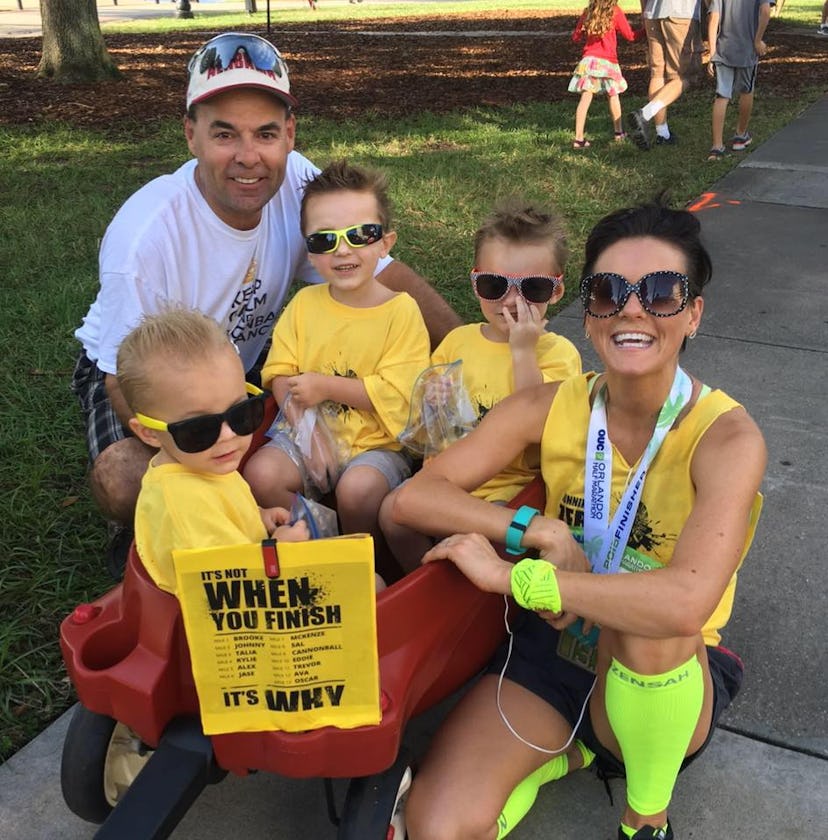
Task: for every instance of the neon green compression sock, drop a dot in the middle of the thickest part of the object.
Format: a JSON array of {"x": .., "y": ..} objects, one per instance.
[
  {"x": 653, "y": 717},
  {"x": 523, "y": 796}
]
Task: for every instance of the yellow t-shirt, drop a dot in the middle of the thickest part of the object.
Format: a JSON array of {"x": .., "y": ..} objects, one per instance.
[
  {"x": 668, "y": 493},
  {"x": 178, "y": 508},
  {"x": 385, "y": 346},
  {"x": 488, "y": 377}
]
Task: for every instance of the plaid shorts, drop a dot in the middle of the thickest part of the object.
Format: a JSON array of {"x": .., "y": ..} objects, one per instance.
[{"x": 103, "y": 428}]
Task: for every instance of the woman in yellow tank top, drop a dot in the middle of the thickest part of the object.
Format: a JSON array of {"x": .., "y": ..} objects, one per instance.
[{"x": 651, "y": 495}]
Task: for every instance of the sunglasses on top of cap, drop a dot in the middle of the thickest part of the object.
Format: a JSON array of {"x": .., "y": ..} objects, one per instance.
[
  {"x": 534, "y": 288},
  {"x": 661, "y": 293},
  {"x": 235, "y": 49},
  {"x": 195, "y": 434},
  {"x": 358, "y": 236}
]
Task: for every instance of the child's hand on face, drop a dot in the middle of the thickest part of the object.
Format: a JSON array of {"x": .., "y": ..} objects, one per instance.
[
  {"x": 307, "y": 389},
  {"x": 529, "y": 326}
]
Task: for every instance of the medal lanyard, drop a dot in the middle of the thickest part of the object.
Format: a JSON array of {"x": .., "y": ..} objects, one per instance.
[{"x": 605, "y": 541}]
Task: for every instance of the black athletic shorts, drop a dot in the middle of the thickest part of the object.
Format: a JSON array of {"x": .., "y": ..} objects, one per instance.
[{"x": 535, "y": 665}]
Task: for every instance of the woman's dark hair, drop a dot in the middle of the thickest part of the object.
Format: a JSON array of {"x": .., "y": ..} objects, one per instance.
[{"x": 678, "y": 227}]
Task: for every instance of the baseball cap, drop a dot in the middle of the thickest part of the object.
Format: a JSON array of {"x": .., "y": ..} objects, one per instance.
[{"x": 236, "y": 60}]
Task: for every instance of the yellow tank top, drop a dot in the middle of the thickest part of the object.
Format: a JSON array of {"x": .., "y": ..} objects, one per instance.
[{"x": 668, "y": 493}]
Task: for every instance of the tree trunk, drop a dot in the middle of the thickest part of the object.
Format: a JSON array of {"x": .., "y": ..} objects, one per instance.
[{"x": 73, "y": 47}]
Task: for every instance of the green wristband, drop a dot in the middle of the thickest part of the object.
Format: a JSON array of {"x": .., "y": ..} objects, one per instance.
[{"x": 535, "y": 585}]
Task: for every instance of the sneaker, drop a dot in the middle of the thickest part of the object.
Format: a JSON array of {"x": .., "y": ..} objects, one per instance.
[
  {"x": 638, "y": 130},
  {"x": 120, "y": 539},
  {"x": 717, "y": 154},
  {"x": 672, "y": 140},
  {"x": 741, "y": 141},
  {"x": 649, "y": 833},
  {"x": 823, "y": 29}
]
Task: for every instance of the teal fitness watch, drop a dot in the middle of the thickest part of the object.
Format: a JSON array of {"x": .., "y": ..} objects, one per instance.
[{"x": 517, "y": 528}]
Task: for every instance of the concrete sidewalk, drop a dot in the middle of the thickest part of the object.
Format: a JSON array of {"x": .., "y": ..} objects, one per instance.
[
  {"x": 764, "y": 339},
  {"x": 26, "y": 22}
]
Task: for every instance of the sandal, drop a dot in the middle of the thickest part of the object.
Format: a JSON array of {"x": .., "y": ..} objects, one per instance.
[
  {"x": 717, "y": 153},
  {"x": 620, "y": 136},
  {"x": 581, "y": 144}
]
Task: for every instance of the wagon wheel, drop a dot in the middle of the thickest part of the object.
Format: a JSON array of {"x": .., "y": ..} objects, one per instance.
[
  {"x": 101, "y": 758},
  {"x": 374, "y": 804}
]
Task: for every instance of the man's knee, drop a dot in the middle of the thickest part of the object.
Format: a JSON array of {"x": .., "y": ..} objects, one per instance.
[{"x": 115, "y": 478}]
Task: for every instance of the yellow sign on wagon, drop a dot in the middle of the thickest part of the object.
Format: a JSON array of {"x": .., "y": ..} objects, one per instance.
[{"x": 282, "y": 636}]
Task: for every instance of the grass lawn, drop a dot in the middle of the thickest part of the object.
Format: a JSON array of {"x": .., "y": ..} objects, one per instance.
[{"x": 60, "y": 189}]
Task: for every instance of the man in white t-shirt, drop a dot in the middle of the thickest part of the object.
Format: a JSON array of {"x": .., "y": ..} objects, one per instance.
[{"x": 221, "y": 234}]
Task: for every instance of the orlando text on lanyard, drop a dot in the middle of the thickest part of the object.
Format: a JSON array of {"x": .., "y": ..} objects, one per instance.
[{"x": 604, "y": 541}]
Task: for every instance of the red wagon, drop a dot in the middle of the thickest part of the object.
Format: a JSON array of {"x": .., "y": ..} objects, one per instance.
[{"x": 135, "y": 757}]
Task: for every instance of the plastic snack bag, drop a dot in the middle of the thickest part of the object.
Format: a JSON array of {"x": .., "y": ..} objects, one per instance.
[
  {"x": 321, "y": 462},
  {"x": 440, "y": 411},
  {"x": 321, "y": 520}
]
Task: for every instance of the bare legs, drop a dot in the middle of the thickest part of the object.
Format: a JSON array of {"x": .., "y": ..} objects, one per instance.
[
  {"x": 719, "y": 109},
  {"x": 719, "y": 112},
  {"x": 614, "y": 104},
  {"x": 474, "y": 762},
  {"x": 581, "y": 114},
  {"x": 581, "y": 111},
  {"x": 666, "y": 93},
  {"x": 745, "y": 111},
  {"x": 475, "y": 759},
  {"x": 405, "y": 544},
  {"x": 273, "y": 477}
]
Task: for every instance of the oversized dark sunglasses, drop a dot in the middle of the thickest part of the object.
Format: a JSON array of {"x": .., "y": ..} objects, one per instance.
[
  {"x": 237, "y": 50},
  {"x": 661, "y": 293},
  {"x": 358, "y": 236},
  {"x": 535, "y": 288},
  {"x": 195, "y": 434}
]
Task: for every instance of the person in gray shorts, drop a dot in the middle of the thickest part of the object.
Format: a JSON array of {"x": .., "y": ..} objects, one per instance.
[{"x": 735, "y": 30}]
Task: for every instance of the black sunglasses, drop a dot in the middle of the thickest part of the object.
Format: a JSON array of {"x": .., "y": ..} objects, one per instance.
[
  {"x": 358, "y": 236},
  {"x": 661, "y": 293},
  {"x": 195, "y": 434},
  {"x": 535, "y": 288}
]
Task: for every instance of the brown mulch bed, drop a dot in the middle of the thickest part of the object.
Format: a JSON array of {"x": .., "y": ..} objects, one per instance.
[{"x": 338, "y": 70}]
